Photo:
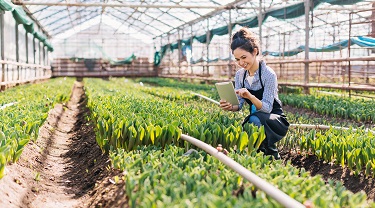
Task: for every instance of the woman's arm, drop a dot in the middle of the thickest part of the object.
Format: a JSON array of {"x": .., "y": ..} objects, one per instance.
[{"x": 270, "y": 90}]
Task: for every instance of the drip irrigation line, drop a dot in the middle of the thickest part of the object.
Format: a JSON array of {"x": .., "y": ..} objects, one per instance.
[
  {"x": 263, "y": 185},
  {"x": 304, "y": 126},
  {"x": 207, "y": 98},
  {"x": 325, "y": 127},
  {"x": 7, "y": 105}
]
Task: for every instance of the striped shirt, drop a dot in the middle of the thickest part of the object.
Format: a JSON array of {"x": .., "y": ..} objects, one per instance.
[{"x": 269, "y": 80}]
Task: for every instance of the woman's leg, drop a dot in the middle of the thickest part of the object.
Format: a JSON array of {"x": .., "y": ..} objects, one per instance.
[
  {"x": 255, "y": 120},
  {"x": 264, "y": 147}
]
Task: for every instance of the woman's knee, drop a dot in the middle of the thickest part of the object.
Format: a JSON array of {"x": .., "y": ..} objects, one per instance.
[{"x": 255, "y": 120}]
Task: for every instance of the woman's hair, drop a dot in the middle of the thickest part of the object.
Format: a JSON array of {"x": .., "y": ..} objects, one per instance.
[{"x": 244, "y": 39}]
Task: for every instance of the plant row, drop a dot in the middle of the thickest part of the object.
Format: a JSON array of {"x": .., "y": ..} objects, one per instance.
[
  {"x": 153, "y": 177},
  {"x": 129, "y": 118},
  {"x": 168, "y": 177},
  {"x": 21, "y": 122},
  {"x": 356, "y": 109}
]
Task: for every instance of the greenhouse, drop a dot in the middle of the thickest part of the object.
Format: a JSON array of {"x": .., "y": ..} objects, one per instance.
[{"x": 123, "y": 103}]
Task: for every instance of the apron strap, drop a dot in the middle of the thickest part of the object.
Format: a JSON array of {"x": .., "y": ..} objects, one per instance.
[{"x": 260, "y": 76}]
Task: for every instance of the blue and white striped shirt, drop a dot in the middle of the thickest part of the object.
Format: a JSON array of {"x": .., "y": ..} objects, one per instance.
[{"x": 269, "y": 79}]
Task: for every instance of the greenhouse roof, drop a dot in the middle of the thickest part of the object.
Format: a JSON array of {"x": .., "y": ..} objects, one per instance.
[{"x": 150, "y": 19}]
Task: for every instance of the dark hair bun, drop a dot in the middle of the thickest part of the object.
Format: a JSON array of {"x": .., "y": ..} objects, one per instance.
[
  {"x": 245, "y": 39},
  {"x": 240, "y": 34}
]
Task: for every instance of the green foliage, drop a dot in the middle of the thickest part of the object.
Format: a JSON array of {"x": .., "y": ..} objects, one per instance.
[
  {"x": 344, "y": 107},
  {"x": 21, "y": 122}
]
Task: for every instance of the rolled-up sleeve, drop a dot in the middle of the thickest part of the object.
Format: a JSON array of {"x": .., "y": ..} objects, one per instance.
[
  {"x": 238, "y": 85},
  {"x": 270, "y": 90}
]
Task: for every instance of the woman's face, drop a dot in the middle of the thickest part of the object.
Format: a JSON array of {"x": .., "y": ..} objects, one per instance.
[{"x": 245, "y": 59}]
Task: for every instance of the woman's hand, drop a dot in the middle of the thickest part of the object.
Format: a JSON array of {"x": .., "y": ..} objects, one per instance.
[
  {"x": 243, "y": 92},
  {"x": 226, "y": 105}
]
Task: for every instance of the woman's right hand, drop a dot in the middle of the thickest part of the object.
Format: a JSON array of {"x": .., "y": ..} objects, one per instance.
[{"x": 226, "y": 105}]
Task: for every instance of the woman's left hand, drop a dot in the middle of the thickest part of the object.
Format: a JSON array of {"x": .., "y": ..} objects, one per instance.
[{"x": 243, "y": 92}]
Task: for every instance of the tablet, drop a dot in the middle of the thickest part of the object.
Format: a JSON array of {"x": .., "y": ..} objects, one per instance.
[{"x": 226, "y": 92}]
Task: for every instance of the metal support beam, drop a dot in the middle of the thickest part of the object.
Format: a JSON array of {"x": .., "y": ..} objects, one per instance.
[
  {"x": 307, "y": 41},
  {"x": 230, "y": 41},
  {"x": 217, "y": 11},
  {"x": 156, "y": 6},
  {"x": 191, "y": 48},
  {"x": 208, "y": 37},
  {"x": 260, "y": 21},
  {"x": 2, "y": 87},
  {"x": 17, "y": 51},
  {"x": 27, "y": 53},
  {"x": 36, "y": 21},
  {"x": 179, "y": 51}
]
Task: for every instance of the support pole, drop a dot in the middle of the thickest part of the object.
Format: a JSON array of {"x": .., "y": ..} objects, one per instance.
[
  {"x": 161, "y": 56},
  {"x": 230, "y": 37},
  {"x": 179, "y": 50},
  {"x": 307, "y": 50},
  {"x": 208, "y": 46},
  {"x": 27, "y": 53},
  {"x": 34, "y": 55},
  {"x": 349, "y": 43},
  {"x": 44, "y": 59},
  {"x": 17, "y": 51},
  {"x": 2, "y": 85},
  {"x": 260, "y": 20},
  {"x": 169, "y": 55},
  {"x": 191, "y": 49}
]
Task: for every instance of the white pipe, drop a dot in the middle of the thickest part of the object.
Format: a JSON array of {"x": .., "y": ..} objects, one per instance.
[
  {"x": 207, "y": 98},
  {"x": 318, "y": 126},
  {"x": 268, "y": 188},
  {"x": 7, "y": 105},
  {"x": 305, "y": 126}
]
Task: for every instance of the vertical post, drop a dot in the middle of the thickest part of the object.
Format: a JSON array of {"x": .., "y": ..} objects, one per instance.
[
  {"x": 27, "y": 53},
  {"x": 44, "y": 59},
  {"x": 280, "y": 66},
  {"x": 161, "y": 55},
  {"x": 44, "y": 55},
  {"x": 179, "y": 50},
  {"x": 349, "y": 43},
  {"x": 260, "y": 20},
  {"x": 307, "y": 40},
  {"x": 191, "y": 49},
  {"x": 373, "y": 24},
  {"x": 40, "y": 53},
  {"x": 169, "y": 55},
  {"x": 230, "y": 40},
  {"x": 17, "y": 52},
  {"x": 34, "y": 55},
  {"x": 2, "y": 86},
  {"x": 208, "y": 45},
  {"x": 40, "y": 58}
]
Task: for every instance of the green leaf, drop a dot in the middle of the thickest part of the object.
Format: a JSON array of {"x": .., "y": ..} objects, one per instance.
[{"x": 244, "y": 140}]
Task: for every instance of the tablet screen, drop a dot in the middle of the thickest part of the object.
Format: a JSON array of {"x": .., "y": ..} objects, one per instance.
[{"x": 226, "y": 92}]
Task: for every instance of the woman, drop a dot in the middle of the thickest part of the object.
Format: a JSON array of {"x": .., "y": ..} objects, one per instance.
[{"x": 256, "y": 83}]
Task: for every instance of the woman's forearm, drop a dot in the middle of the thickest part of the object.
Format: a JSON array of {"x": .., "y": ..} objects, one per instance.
[{"x": 258, "y": 103}]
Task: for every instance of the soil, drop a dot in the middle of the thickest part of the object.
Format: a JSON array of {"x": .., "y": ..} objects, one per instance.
[
  {"x": 328, "y": 170},
  {"x": 66, "y": 168}
]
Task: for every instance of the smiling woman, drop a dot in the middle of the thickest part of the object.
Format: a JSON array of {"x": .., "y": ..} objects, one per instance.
[{"x": 256, "y": 83}]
